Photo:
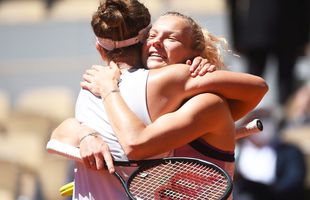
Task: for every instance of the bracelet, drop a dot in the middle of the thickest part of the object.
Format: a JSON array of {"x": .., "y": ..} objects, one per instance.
[
  {"x": 89, "y": 134},
  {"x": 111, "y": 91}
]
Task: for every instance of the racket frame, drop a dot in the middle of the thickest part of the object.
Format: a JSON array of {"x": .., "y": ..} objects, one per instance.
[{"x": 147, "y": 164}]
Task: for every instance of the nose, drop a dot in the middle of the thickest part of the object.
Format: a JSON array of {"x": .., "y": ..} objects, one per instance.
[{"x": 156, "y": 42}]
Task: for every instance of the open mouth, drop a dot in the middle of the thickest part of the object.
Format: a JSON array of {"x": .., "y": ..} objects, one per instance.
[{"x": 154, "y": 54}]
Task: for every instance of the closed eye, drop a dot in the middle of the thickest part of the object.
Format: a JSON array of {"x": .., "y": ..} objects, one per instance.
[
  {"x": 151, "y": 36},
  {"x": 172, "y": 38}
]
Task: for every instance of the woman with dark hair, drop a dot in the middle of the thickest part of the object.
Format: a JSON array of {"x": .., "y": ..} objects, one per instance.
[{"x": 162, "y": 96}]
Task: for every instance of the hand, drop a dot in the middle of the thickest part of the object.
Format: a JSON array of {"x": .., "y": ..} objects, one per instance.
[
  {"x": 101, "y": 80},
  {"x": 200, "y": 66},
  {"x": 95, "y": 152}
]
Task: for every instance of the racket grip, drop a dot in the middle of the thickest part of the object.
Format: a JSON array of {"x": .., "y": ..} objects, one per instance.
[
  {"x": 250, "y": 128},
  {"x": 55, "y": 147},
  {"x": 73, "y": 153}
]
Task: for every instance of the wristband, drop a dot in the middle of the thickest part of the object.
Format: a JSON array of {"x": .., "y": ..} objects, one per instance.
[
  {"x": 110, "y": 92},
  {"x": 89, "y": 134}
]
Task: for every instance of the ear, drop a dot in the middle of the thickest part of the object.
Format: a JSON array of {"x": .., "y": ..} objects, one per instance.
[{"x": 102, "y": 52}]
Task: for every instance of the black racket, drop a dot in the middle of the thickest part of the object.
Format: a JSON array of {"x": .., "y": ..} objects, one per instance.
[{"x": 166, "y": 178}]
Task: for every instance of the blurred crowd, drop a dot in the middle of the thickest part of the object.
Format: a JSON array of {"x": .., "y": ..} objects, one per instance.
[
  {"x": 269, "y": 165},
  {"x": 27, "y": 171},
  {"x": 273, "y": 164}
]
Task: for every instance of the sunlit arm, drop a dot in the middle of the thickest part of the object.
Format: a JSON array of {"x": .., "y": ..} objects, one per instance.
[
  {"x": 204, "y": 113},
  {"x": 243, "y": 91}
]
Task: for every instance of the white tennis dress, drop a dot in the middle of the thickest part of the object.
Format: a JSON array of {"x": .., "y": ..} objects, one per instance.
[{"x": 100, "y": 185}]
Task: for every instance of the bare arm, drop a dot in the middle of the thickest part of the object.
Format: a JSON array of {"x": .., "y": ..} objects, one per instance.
[
  {"x": 93, "y": 149},
  {"x": 204, "y": 113},
  {"x": 139, "y": 137},
  {"x": 242, "y": 91}
]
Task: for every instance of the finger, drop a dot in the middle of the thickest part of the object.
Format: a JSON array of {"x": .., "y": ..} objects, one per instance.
[
  {"x": 90, "y": 72},
  {"x": 92, "y": 162},
  {"x": 205, "y": 66},
  {"x": 109, "y": 162},
  {"x": 203, "y": 71},
  {"x": 108, "y": 158},
  {"x": 85, "y": 85},
  {"x": 198, "y": 59},
  {"x": 198, "y": 69},
  {"x": 188, "y": 62},
  {"x": 96, "y": 67},
  {"x": 86, "y": 162},
  {"x": 99, "y": 161},
  {"x": 195, "y": 64},
  {"x": 193, "y": 74},
  {"x": 212, "y": 68},
  {"x": 115, "y": 67},
  {"x": 113, "y": 64},
  {"x": 117, "y": 72},
  {"x": 87, "y": 78}
]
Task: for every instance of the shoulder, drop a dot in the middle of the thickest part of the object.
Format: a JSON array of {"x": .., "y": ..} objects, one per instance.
[
  {"x": 86, "y": 99},
  {"x": 171, "y": 72},
  {"x": 86, "y": 94},
  {"x": 167, "y": 84},
  {"x": 135, "y": 72}
]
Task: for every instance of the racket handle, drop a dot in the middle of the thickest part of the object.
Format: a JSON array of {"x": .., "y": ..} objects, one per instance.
[
  {"x": 73, "y": 153},
  {"x": 250, "y": 128},
  {"x": 55, "y": 147}
]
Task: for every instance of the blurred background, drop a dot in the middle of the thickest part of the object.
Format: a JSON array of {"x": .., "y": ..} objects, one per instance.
[{"x": 46, "y": 45}]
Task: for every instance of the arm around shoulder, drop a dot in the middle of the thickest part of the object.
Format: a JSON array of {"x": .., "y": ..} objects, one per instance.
[{"x": 242, "y": 90}]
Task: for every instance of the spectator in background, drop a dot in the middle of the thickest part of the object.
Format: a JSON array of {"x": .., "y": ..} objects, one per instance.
[
  {"x": 49, "y": 5},
  {"x": 261, "y": 28},
  {"x": 298, "y": 107},
  {"x": 267, "y": 167}
]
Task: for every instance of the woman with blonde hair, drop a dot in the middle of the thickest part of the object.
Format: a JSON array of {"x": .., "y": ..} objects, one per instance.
[{"x": 163, "y": 108}]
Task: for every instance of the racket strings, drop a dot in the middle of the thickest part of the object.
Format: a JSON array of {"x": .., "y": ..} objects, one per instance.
[
  {"x": 219, "y": 183},
  {"x": 179, "y": 180},
  {"x": 149, "y": 180},
  {"x": 216, "y": 191}
]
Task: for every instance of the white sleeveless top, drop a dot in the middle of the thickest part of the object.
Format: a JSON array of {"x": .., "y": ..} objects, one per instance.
[{"x": 100, "y": 185}]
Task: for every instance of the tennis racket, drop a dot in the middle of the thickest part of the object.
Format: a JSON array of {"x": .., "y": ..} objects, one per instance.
[
  {"x": 163, "y": 191},
  {"x": 165, "y": 178}
]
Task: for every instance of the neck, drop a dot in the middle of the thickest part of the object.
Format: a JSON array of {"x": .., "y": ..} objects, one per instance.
[
  {"x": 125, "y": 66},
  {"x": 129, "y": 60}
]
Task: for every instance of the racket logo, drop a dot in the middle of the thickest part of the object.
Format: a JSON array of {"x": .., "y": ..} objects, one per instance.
[{"x": 184, "y": 186}]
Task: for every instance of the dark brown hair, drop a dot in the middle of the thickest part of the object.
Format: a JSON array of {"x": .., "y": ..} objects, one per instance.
[{"x": 120, "y": 20}]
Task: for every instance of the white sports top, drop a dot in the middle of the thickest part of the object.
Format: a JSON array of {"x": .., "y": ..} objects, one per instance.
[{"x": 100, "y": 185}]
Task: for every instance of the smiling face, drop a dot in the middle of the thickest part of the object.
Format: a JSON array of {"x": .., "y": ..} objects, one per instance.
[{"x": 169, "y": 42}]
